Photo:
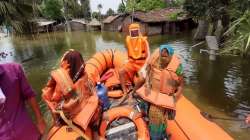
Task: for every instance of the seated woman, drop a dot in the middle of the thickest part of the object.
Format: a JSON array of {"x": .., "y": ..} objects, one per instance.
[{"x": 71, "y": 91}]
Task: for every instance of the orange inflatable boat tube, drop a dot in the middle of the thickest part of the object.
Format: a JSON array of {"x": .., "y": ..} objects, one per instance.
[
  {"x": 103, "y": 61},
  {"x": 189, "y": 123}
]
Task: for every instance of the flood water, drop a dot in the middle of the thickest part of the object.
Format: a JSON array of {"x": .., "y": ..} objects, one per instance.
[{"x": 220, "y": 87}]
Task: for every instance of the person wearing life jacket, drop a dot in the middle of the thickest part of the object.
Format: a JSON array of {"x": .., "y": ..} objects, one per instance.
[
  {"x": 138, "y": 52},
  {"x": 71, "y": 91},
  {"x": 161, "y": 87}
]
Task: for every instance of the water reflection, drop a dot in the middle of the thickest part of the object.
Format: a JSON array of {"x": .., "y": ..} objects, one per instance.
[
  {"x": 220, "y": 87},
  {"x": 113, "y": 37},
  {"x": 7, "y": 51}
]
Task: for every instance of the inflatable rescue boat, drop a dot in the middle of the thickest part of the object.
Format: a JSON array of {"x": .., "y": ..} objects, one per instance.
[{"x": 189, "y": 124}]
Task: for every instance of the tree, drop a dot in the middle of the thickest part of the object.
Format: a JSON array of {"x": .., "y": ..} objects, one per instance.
[
  {"x": 239, "y": 33},
  {"x": 121, "y": 8},
  {"x": 77, "y": 8},
  {"x": 236, "y": 35},
  {"x": 85, "y": 9},
  {"x": 238, "y": 8},
  {"x": 208, "y": 12},
  {"x": 95, "y": 15},
  {"x": 72, "y": 8},
  {"x": 174, "y": 3},
  {"x": 51, "y": 9},
  {"x": 144, "y": 5},
  {"x": 123, "y": 3},
  {"x": 16, "y": 14},
  {"x": 110, "y": 12},
  {"x": 99, "y": 7}
]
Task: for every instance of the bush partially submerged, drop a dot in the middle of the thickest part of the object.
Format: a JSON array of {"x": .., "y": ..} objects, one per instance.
[{"x": 239, "y": 33}]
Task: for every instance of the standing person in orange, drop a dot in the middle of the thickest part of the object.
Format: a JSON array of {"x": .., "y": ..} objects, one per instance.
[
  {"x": 138, "y": 52},
  {"x": 71, "y": 91}
]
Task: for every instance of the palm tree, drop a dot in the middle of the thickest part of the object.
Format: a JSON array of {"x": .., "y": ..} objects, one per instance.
[
  {"x": 123, "y": 2},
  {"x": 99, "y": 7},
  {"x": 16, "y": 14}
]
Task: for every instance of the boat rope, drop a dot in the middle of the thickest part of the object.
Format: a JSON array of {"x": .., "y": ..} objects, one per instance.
[
  {"x": 182, "y": 130},
  {"x": 71, "y": 125}
]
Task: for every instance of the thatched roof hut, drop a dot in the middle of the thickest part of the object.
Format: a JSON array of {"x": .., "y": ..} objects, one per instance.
[
  {"x": 94, "y": 25},
  {"x": 159, "y": 21},
  {"x": 113, "y": 23},
  {"x": 78, "y": 24}
]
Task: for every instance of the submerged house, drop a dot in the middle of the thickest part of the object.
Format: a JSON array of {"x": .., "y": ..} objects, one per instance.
[
  {"x": 78, "y": 24},
  {"x": 113, "y": 23},
  {"x": 94, "y": 25},
  {"x": 74, "y": 24},
  {"x": 45, "y": 25},
  {"x": 169, "y": 20}
]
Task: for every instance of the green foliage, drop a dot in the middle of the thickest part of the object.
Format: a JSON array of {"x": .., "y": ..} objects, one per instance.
[
  {"x": 110, "y": 12},
  {"x": 239, "y": 33},
  {"x": 16, "y": 14},
  {"x": 238, "y": 7},
  {"x": 144, "y": 5},
  {"x": 174, "y": 3},
  {"x": 85, "y": 9},
  {"x": 96, "y": 15},
  {"x": 204, "y": 9},
  {"x": 56, "y": 9},
  {"x": 174, "y": 15},
  {"x": 76, "y": 10},
  {"x": 51, "y": 9},
  {"x": 121, "y": 8}
]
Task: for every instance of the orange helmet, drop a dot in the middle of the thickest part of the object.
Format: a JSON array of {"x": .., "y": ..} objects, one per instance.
[
  {"x": 134, "y": 30},
  {"x": 134, "y": 26}
]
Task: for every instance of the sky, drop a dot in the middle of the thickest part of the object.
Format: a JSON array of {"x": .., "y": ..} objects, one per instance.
[{"x": 106, "y": 4}]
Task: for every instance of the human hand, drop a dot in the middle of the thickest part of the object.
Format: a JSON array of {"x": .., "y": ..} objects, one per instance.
[{"x": 41, "y": 125}]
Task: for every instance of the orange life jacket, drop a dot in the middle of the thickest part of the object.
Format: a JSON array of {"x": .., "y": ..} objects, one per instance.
[
  {"x": 137, "y": 48},
  {"x": 81, "y": 109},
  {"x": 161, "y": 84},
  {"x": 111, "y": 78}
]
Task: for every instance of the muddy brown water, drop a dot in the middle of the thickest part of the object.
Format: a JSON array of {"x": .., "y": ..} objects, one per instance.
[{"x": 220, "y": 87}]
